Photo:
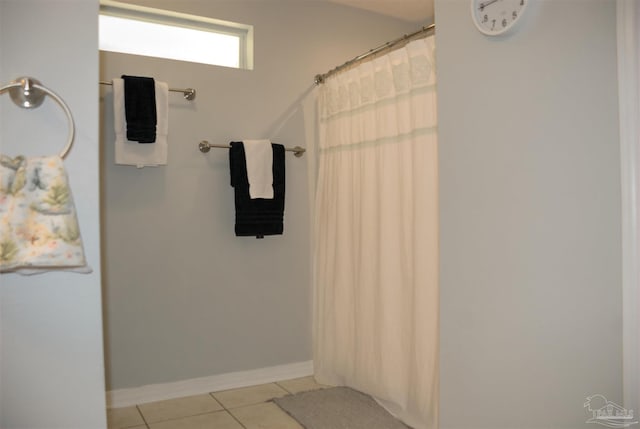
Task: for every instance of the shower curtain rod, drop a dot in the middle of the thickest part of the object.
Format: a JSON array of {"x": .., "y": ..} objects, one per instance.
[{"x": 320, "y": 78}]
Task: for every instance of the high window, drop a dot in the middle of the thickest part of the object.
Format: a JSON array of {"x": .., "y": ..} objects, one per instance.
[{"x": 160, "y": 33}]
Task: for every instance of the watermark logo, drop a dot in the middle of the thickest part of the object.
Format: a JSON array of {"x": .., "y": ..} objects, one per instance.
[{"x": 607, "y": 413}]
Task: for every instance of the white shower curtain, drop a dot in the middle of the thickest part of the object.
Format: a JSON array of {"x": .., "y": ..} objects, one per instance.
[{"x": 376, "y": 233}]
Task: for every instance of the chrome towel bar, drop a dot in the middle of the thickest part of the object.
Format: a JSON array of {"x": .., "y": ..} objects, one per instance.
[
  {"x": 188, "y": 93},
  {"x": 205, "y": 146}
]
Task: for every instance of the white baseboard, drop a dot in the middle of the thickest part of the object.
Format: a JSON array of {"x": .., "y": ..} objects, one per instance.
[{"x": 196, "y": 386}]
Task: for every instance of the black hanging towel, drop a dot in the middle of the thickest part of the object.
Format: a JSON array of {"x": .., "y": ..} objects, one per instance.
[
  {"x": 257, "y": 217},
  {"x": 140, "y": 108}
]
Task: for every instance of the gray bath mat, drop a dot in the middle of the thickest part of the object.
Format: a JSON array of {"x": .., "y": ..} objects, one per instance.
[{"x": 337, "y": 408}]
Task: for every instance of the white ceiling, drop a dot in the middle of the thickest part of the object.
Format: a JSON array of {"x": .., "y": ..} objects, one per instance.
[{"x": 418, "y": 11}]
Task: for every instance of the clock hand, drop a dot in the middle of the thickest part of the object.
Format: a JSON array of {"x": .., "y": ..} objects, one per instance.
[{"x": 487, "y": 3}]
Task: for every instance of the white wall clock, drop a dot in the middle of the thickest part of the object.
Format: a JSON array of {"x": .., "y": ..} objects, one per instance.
[{"x": 493, "y": 17}]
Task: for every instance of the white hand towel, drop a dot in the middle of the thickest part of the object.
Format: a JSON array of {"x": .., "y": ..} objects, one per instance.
[
  {"x": 141, "y": 154},
  {"x": 259, "y": 156}
]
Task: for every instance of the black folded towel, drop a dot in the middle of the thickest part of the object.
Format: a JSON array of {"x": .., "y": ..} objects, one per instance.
[
  {"x": 140, "y": 108},
  {"x": 257, "y": 217}
]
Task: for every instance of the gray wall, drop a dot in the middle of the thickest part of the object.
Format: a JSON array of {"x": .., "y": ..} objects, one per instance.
[
  {"x": 184, "y": 297},
  {"x": 51, "y": 371},
  {"x": 530, "y": 216}
]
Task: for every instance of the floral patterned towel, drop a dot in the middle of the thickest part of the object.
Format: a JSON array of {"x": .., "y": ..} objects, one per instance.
[{"x": 38, "y": 225}]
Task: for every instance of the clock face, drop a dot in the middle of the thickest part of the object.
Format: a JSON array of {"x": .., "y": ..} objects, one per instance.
[{"x": 493, "y": 17}]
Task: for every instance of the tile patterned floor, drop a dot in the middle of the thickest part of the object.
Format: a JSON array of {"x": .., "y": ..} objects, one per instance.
[{"x": 244, "y": 408}]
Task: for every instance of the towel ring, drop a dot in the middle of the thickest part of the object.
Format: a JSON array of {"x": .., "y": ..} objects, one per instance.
[{"x": 28, "y": 93}]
